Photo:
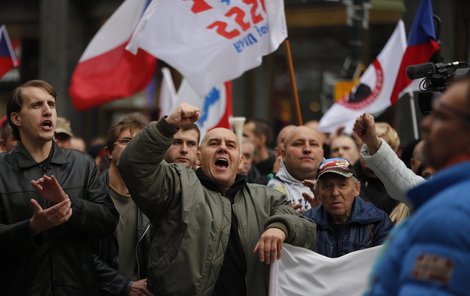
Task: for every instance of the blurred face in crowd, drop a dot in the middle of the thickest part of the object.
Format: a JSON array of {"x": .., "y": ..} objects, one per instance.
[
  {"x": 8, "y": 141},
  {"x": 78, "y": 144},
  {"x": 337, "y": 194},
  {"x": 281, "y": 138},
  {"x": 249, "y": 134},
  {"x": 302, "y": 152},
  {"x": 220, "y": 157},
  {"x": 38, "y": 116},
  {"x": 184, "y": 149},
  {"x": 446, "y": 129},
  {"x": 345, "y": 147},
  {"x": 123, "y": 138},
  {"x": 248, "y": 151}
]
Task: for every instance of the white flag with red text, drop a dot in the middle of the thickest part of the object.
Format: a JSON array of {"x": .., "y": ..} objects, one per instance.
[{"x": 210, "y": 41}]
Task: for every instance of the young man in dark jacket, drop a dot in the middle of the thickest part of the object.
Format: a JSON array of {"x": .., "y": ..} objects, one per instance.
[
  {"x": 52, "y": 204},
  {"x": 345, "y": 222}
]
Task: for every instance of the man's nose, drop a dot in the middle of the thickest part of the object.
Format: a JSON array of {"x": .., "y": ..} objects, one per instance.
[{"x": 47, "y": 110}]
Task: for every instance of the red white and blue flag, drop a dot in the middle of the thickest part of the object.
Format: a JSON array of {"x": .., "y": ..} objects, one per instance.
[
  {"x": 215, "y": 107},
  {"x": 421, "y": 47},
  {"x": 211, "y": 41},
  {"x": 8, "y": 58},
  {"x": 106, "y": 70},
  {"x": 385, "y": 79}
]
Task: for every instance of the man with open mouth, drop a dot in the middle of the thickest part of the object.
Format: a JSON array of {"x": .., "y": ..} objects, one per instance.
[
  {"x": 208, "y": 225},
  {"x": 52, "y": 204}
]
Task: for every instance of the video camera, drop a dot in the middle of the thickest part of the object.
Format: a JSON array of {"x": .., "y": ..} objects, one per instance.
[{"x": 436, "y": 78}]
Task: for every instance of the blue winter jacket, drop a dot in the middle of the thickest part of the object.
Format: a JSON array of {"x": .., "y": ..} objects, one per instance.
[
  {"x": 429, "y": 254},
  {"x": 367, "y": 227}
]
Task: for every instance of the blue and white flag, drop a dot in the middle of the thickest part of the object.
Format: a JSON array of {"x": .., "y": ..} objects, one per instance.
[{"x": 216, "y": 106}]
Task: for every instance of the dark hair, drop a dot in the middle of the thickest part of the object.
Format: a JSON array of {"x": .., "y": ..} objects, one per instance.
[
  {"x": 262, "y": 127},
  {"x": 131, "y": 121},
  {"x": 15, "y": 102},
  {"x": 193, "y": 127}
]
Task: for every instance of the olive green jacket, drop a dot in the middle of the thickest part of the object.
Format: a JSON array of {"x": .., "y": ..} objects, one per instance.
[{"x": 191, "y": 223}]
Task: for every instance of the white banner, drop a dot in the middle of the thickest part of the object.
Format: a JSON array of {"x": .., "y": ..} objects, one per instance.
[{"x": 301, "y": 272}]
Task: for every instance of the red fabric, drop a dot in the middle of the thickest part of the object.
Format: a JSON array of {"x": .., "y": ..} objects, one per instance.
[{"x": 114, "y": 75}]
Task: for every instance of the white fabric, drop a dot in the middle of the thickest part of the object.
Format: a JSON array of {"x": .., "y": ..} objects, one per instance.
[
  {"x": 117, "y": 29},
  {"x": 301, "y": 272},
  {"x": 180, "y": 33},
  {"x": 392, "y": 171},
  {"x": 213, "y": 105},
  {"x": 290, "y": 186},
  {"x": 380, "y": 77},
  {"x": 168, "y": 99}
]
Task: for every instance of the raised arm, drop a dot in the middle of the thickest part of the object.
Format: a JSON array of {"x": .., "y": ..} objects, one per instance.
[
  {"x": 385, "y": 163},
  {"x": 153, "y": 183}
]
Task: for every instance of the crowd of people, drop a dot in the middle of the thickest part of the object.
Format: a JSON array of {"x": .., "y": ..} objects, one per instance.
[{"x": 156, "y": 208}]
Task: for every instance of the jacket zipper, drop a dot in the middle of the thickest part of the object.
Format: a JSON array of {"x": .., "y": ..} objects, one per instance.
[
  {"x": 137, "y": 250},
  {"x": 216, "y": 242}
]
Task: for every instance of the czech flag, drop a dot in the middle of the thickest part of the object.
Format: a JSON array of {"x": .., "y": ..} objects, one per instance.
[
  {"x": 421, "y": 46},
  {"x": 385, "y": 79},
  {"x": 8, "y": 58},
  {"x": 107, "y": 71}
]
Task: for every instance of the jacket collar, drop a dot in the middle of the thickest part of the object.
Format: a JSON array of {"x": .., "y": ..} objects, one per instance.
[
  {"x": 284, "y": 175},
  {"x": 25, "y": 160},
  {"x": 240, "y": 182},
  {"x": 438, "y": 183},
  {"x": 361, "y": 213}
]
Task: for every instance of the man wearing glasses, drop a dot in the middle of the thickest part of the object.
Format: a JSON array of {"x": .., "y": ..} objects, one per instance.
[
  {"x": 121, "y": 258},
  {"x": 430, "y": 253}
]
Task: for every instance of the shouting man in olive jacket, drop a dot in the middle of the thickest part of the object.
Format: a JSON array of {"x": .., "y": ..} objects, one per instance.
[
  {"x": 208, "y": 225},
  {"x": 52, "y": 204}
]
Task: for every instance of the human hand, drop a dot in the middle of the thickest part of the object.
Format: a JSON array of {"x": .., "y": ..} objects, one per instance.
[
  {"x": 310, "y": 197},
  {"x": 139, "y": 288},
  {"x": 364, "y": 127},
  {"x": 269, "y": 245},
  {"x": 49, "y": 189},
  {"x": 297, "y": 206},
  {"x": 45, "y": 219},
  {"x": 183, "y": 116}
]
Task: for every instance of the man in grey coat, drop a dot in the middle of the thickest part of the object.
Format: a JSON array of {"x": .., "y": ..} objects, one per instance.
[{"x": 208, "y": 225}]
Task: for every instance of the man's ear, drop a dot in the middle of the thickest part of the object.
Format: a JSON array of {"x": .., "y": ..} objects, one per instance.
[
  {"x": 357, "y": 187},
  {"x": 283, "y": 152},
  {"x": 108, "y": 153},
  {"x": 15, "y": 118},
  {"x": 198, "y": 155},
  {"x": 240, "y": 165},
  {"x": 262, "y": 139}
]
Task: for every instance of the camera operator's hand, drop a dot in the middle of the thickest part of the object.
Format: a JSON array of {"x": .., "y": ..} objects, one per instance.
[
  {"x": 364, "y": 127},
  {"x": 183, "y": 116}
]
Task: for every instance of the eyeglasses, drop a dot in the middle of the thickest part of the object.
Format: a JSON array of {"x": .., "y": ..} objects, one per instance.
[{"x": 123, "y": 141}]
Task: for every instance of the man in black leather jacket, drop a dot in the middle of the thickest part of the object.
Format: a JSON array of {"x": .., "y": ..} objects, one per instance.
[{"x": 52, "y": 204}]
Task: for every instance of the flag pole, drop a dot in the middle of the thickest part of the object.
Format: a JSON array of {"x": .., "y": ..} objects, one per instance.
[{"x": 290, "y": 64}]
